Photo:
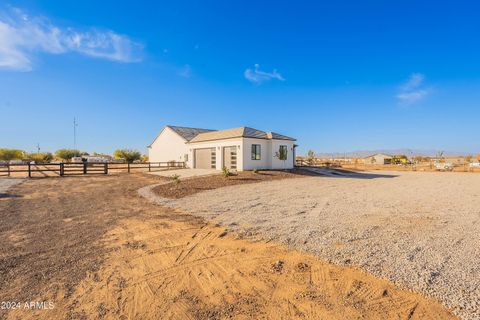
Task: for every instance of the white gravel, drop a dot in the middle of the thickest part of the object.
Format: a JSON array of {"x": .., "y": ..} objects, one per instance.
[{"x": 418, "y": 229}]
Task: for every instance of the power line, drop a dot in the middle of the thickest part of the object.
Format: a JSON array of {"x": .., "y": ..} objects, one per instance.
[{"x": 75, "y": 124}]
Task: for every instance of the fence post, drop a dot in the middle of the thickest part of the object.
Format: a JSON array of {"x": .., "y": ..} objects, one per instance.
[
  {"x": 128, "y": 166},
  {"x": 149, "y": 169},
  {"x": 62, "y": 172},
  {"x": 84, "y": 168},
  {"x": 8, "y": 170},
  {"x": 29, "y": 170},
  {"x": 105, "y": 170}
]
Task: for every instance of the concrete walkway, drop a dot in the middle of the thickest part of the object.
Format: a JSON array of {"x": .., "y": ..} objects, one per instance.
[{"x": 186, "y": 173}]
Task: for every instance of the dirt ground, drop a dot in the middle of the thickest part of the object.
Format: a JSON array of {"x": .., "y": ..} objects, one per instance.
[
  {"x": 95, "y": 249},
  {"x": 418, "y": 229},
  {"x": 191, "y": 186}
]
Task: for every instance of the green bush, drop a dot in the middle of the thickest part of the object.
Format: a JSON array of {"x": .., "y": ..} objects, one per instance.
[
  {"x": 255, "y": 170},
  {"x": 226, "y": 172},
  {"x": 176, "y": 178},
  {"x": 40, "y": 157},
  {"x": 127, "y": 154},
  {"x": 11, "y": 154},
  {"x": 67, "y": 154}
]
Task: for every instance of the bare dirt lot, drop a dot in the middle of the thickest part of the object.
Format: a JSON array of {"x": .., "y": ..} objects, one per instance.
[
  {"x": 419, "y": 229},
  {"x": 97, "y": 250}
]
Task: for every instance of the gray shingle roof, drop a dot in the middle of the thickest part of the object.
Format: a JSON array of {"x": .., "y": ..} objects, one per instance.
[
  {"x": 245, "y": 132},
  {"x": 184, "y": 132},
  {"x": 198, "y": 135},
  {"x": 188, "y": 133}
]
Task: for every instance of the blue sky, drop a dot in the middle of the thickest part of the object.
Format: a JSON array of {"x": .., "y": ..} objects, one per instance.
[{"x": 337, "y": 75}]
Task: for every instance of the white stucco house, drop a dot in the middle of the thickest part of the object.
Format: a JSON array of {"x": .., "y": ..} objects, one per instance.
[{"x": 237, "y": 149}]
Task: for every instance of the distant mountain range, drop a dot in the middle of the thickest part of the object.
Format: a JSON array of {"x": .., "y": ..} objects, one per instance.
[{"x": 407, "y": 152}]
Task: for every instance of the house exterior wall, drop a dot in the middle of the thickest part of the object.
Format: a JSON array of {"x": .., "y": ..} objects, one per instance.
[
  {"x": 218, "y": 145},
  {"x": 268, "y": 150},
  {"x": 168, "y": 146},
  {"x": 377, "y": 159},
  {"x": 280, "y": 164},
  {"x": 265, "y": 161}
]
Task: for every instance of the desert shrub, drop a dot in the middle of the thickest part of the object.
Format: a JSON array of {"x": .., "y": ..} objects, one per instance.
[
  {"x": 40, "y": 157},
  {"x": 67, "y": 154},
  {"x": 11, "y": 154},
  {"x": 176, "y": 178},
  {"x": 127, "y": 154},
  {"x": 255, "y": 170},
  {"x": 226, "y": 172}
]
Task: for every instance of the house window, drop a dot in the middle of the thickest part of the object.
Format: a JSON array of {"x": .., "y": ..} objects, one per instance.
[
  {"x": 256, "y": 150},
  {"x": 283, "y": 153}
]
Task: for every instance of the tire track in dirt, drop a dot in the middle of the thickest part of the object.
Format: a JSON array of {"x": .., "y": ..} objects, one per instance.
[
  {"x": 123, "y": 258},
  {"x": 180, "y": 272}
]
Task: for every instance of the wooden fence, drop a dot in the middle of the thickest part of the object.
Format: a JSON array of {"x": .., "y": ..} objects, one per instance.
[
  {"x": 424, "y": 166},
  {"x": 81, "y": 168}
]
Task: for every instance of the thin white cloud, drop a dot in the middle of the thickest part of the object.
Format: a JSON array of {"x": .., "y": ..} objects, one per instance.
[
  {"x": 21, "y": 37},
  {"x": 414, "y": 81},
  {"x": 413, "y": 90},
  {"x": 186, "y": 71},
  {"x": 257, "y": 76},
  {"x": 411, "y": 97}
]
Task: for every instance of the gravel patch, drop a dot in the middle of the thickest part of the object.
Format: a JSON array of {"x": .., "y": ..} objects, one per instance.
[
  {"x": 420, "y": 230},
  {"x": 6, "y": 183}
]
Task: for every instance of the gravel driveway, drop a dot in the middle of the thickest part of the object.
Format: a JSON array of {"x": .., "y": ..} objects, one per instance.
[{"x": 421, "y": 230}]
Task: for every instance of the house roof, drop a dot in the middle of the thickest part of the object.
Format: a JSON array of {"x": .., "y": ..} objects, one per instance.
[
  {"x": 379, "y": 154},
  {"x": 188, "y": 133},
  {"x": 242, "y": 132},
  {"x": 184, "y": 132}
]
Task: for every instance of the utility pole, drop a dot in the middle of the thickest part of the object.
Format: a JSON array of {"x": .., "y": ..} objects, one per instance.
[
  {"x": 75, "y": 124},
  {"x": 38, "y": 147}
]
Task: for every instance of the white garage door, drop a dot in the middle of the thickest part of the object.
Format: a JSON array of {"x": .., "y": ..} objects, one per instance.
[{"x": 205, "y": 158}]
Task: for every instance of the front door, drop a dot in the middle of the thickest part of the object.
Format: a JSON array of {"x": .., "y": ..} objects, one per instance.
[{"x": 230, "y": 157}]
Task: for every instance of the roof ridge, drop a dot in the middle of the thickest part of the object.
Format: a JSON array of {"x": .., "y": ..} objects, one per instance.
[{"x": 171, "y": 126}]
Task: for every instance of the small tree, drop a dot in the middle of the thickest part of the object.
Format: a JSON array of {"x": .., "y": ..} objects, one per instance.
[
  {"x": 440, "y": 157},
  {"x": 310, "y": 157},
  {"x": 11, "y": 154},
  {"x": 67, "y": 154},
  {"x": 128, "y": 155},
  {"x": 40, "y": 157},
  {"x": 282, "y": 154}
]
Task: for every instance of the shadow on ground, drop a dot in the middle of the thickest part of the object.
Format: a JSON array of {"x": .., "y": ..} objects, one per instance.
[{"x": 338, "y": 173}]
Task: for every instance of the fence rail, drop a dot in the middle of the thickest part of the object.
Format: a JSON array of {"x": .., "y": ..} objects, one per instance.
[{"x": 81, "y": 168}]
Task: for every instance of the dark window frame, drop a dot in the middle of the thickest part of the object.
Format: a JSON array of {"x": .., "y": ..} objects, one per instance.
[{"x": 256, "y": 153}]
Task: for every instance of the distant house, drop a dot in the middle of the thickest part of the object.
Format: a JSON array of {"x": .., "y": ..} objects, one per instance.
[
  {"x": 238, "y": 149},
  {"x": 379, "y": 158},
  {"x": 92, "y": 159}
]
